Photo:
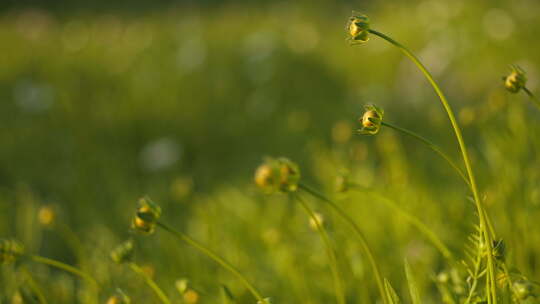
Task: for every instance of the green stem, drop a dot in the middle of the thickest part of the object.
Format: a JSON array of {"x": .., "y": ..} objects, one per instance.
[
  {"x": 338, "y": 283},
  {"x": 432, "y": 146},
  {"x": 151, "y": 283},
  {"x": 35, "y": 287},
  {"x": 532, "y": 96},
  {"x": 363, "y": 241},
  {"x": 214, "y": 257},
  {"x": 65, "y": 267},
  {"x": 430, "y": 235},
  {"x": 492, "y": 296}
]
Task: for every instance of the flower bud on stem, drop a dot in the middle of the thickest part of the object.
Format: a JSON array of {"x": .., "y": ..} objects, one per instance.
[{"x": 487, "y": 235}]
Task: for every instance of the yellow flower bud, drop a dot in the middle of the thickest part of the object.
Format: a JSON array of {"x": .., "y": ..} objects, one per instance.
[
  {"x": 277, "y": 175},
  {"x": 46, "y": 215},
  {"x": 371, "y": 120},
  {"x": 123, "y": 253},
  {"x": 10, "y": 250},
  {"x": 265, "y": 177},
  {"x": 119, "y": 298},
  {"x": 516, "y": 80},
  {"x": 146, "y": 216},
  {"x": 358, "y": 29},
  {"x": 191, "y": 296}
]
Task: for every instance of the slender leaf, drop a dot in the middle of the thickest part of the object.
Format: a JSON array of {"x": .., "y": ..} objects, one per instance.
[
  {"x": 391, "y": 293},
  {"x": 413, "y": 288}
]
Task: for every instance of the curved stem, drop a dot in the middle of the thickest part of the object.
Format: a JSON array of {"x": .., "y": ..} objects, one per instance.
[
  {"x": 432, "y": 146},
  {"x": 532, "y": 96},
  {"x": 214, "y": 257},
  {"x": 338, "y": 283},
  {"x": 492, "y": 296},
  {"x": 151, "y": 283},
  {"x": 363, "y": 241},
  {"x": 430, "y": 235},
  {"x": 65, "y": 267}
]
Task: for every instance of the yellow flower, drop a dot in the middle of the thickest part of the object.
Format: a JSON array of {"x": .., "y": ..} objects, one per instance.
[
  {"x": 371, "y": 120},
  {"x": 123, "y": 252},
  {"x": 119, "y": 298},
  {"x": 516, "y": 80},
  {"x": 277, "y": 175},
  {"x": 358, "y": 28},
  {"x": 10, "y": 250},
  {"x": 191, "y": 296},
  {"x": 146, "y": 217},
  {"x": 46, "y": 215}
]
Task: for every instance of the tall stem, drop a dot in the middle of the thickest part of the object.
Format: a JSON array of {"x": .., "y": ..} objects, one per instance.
[
  {"x": 492, "y": 296},
  {"x": 361, "y": 237},
  {"x": 214, "y": 257},
  {"x": 151, "y": 283},
  {"x": 532, "y": 96},
  {"x": 338, "y": 283},
  {"x": 65, "y": 267},
  {"x": 432, "y": 146}
]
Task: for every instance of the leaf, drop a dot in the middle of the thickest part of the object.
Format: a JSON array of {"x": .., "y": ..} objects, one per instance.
[
  {"x": 226, "y": 295},
  {"x": 413, "y": 289},
  {"x": 391, "y": 293}
]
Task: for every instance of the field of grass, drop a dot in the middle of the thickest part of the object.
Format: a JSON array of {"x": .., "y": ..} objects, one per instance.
[{"x": 182, "y": 105}]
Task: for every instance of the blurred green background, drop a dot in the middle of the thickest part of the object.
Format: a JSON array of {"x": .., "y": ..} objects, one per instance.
[{"x": 101, "y": 104}]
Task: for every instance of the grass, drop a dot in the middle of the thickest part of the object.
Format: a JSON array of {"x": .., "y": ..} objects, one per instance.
[{"x": 99, "y": 110}]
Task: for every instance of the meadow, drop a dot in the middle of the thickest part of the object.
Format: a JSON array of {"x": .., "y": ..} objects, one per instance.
[{"x": 129, "y": 125}]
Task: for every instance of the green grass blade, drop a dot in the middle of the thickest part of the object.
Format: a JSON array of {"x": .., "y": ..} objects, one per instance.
[
  {"x": 391, "y": 293},
  {"x": 413, "y": 288},
  {"x": 226, "y": 295}
]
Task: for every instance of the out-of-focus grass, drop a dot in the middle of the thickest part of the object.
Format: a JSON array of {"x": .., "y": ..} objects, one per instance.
[{"x": 98, "y": 110}]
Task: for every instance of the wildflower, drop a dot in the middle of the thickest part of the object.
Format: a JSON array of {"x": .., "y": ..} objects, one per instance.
[
  {"x": 10, "y": 250},
  {"x": 46, "y": 215},
  {"x": 523, "y": 289},
  {"x": 358, "y": 28},
  {"x": 146, "y": 217},
  {"x": 516, "y": 80},
  {"x": 277, "y": 175},
  {"x": 191, "y": 296},
  {"x": 119, "y": 298},
  {"x": 181, "y": 285},
  {"x": 502, "y": 279},
  {"x": 371, "y": 120},
  {"x": 188, "y": 294},
  {"x": 123, "y": 253}
]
